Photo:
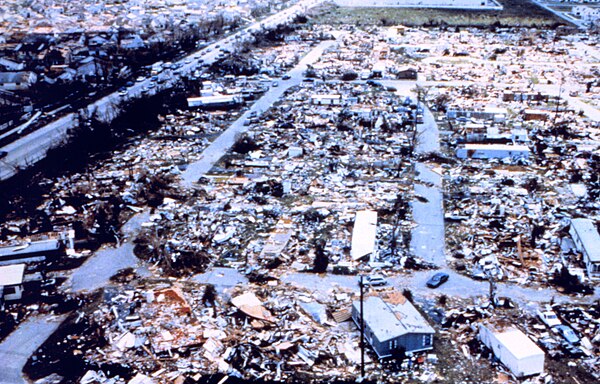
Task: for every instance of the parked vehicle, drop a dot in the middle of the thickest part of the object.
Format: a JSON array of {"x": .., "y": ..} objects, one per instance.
[
  {"x": 437, "y": 279},
  {"x": 374, "y": 280},
  {"x": 567, "y": 333},
  {"x": 548, "y": 317}
]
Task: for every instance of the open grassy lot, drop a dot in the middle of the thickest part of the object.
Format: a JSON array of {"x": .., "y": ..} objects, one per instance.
[{"x": 516, "y": 13}]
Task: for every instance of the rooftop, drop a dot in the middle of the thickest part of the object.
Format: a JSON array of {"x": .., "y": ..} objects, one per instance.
[
  {"x": 394, "y": 318},
  {"x": 587, "y": 232},
  {"x": 29, "y": 248},
  {"x": 518, "y": 343},
  {"x": 11, "y": 274}
]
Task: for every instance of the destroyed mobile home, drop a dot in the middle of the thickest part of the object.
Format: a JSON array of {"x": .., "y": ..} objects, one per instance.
[{"x": 251, "y": 270}]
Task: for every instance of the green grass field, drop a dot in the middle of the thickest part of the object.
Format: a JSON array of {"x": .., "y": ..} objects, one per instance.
[{"x": 516, "y": 13}]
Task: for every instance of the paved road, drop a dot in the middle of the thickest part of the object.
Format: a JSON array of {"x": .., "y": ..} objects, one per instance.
[
  {"x": 98, "y": 269},
  {"x": 428, "y": 237},
  {"x": 221, "y": 145},
  {"x": 458, "y": 286},
  {"x": 22, "y": 343}
]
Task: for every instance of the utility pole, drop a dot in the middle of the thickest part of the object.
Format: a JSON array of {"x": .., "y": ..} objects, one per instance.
[
  {"x": 492, "y": 280},
  {"x": 414, "y": 143},
  {"x": 362, "y": 329},
  {"x": 562, "y": 80}
]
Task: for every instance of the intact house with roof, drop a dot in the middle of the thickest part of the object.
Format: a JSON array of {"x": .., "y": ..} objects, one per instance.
[
  {"x": 393, "y": 327},
  {"x": 587, "y": 240}
]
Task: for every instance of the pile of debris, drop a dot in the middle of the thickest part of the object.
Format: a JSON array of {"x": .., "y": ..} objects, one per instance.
[{"x": 183, "y": 329}]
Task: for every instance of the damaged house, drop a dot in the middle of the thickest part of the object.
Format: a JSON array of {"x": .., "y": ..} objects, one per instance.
[
  {"x": 586, "y": 238},
  {"x": 393, "y": 327}
]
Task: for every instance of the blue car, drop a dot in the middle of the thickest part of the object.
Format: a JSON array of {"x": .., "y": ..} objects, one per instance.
[
  {"x": 437, "y": 279},
  {"x": 567, "y": 333}
]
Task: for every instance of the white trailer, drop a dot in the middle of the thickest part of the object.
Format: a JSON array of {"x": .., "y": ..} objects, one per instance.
[
  {"x": 493, "y": 151},
  {"x": 364, "y": 234},
  {"x": 514, "y": 349}
]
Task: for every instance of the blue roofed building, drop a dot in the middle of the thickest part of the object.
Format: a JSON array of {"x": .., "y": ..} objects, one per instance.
[{"x": 393, "y": 326}]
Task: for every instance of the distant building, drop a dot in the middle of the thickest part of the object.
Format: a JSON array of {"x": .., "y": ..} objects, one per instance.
[
  {"x": 497, "y": 115},
  {"x": 526, "y": 96},
  {"x": 585, "y": 13},
  {"x": 326, "y": 100},
  {"x": 378, "y": 70},
  {"x": 393, "y": 327},
  {"x": 215, "y": 102},
  {"x": 90, "y": 67},
  {"x": 407, "y": 73},
  {"x": 493, "y": 151},
  {"x": 17, "y": 81},
  {"x": 536, "y": 115},
  {"x": 586, "y": 238}
]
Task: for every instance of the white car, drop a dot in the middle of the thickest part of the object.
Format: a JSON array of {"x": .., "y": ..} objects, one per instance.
[
  {"x": 548, "y": 317},
  {"x": 375, "y": 280}
]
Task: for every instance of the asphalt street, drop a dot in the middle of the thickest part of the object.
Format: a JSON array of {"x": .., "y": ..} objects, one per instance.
[{"x": 22, "y": 343}]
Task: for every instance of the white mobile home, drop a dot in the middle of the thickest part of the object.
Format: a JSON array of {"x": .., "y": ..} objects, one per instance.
[
  {"x": 364, "y": 234},
  {"x": 215, "y": 102},
  {"x": 11, "y": 282},
  {"x": 326, "y": 99},
  {"x": 493, "y": 151},
  {"x": 586, "y": 238},
  {"x": 514, "y": 349}
]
